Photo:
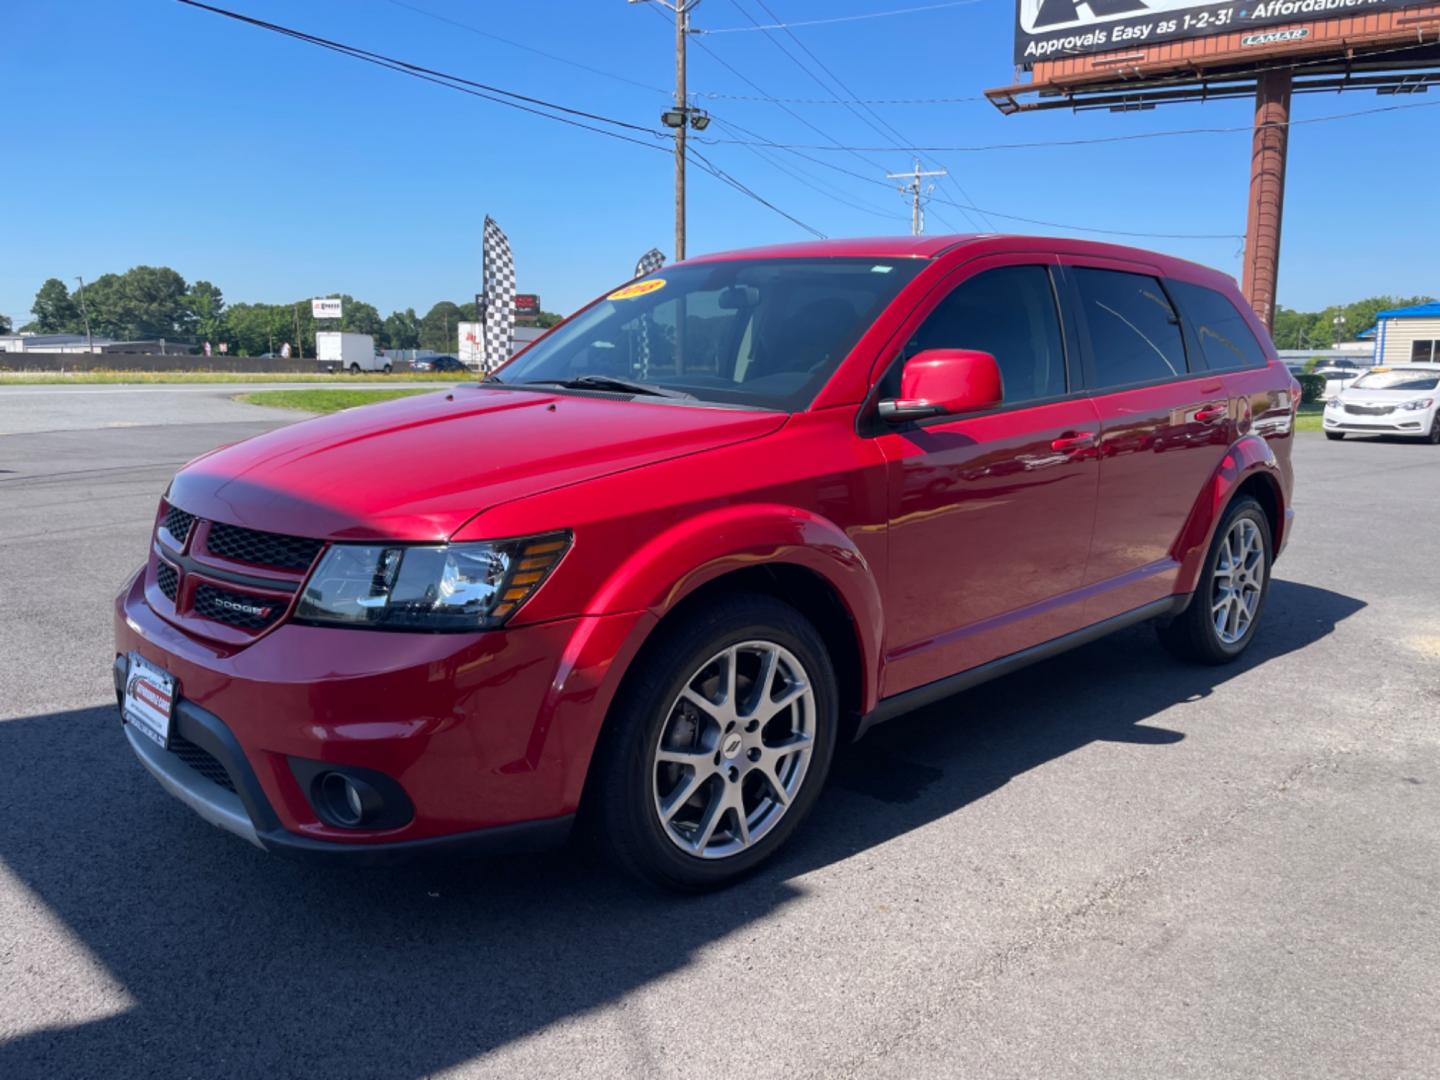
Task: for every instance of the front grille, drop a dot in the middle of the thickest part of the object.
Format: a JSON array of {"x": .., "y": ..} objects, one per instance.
[
  {"x": 201, "y": 760},
  {"x": 167, "y": 579},
  {"x": 177, "y": 523},
  {"x": 237, "y": 609},
  {"x": 1369, "y": 410},
  {"x": 262, "y": 548}
]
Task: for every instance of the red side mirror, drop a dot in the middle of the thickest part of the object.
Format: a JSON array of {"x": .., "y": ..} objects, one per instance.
[{"x": 940, "y": 382}]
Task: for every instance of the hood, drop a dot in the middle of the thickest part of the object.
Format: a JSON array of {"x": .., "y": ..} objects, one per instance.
[
  {"x": 1382, "y": 397},
  {"x": 418, "y": 468}
]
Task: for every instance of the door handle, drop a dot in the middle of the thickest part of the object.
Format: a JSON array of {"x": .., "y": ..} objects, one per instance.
[
  {"x": 1210, "y": 414},
  {"x": 1073, "y": 440}
]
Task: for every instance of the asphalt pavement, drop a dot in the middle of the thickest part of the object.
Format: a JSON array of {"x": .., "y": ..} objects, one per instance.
[{"x": 1109, "y": 865}]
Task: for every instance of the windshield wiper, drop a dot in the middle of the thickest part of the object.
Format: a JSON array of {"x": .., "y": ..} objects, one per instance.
[{"x": 610, "y": 382}]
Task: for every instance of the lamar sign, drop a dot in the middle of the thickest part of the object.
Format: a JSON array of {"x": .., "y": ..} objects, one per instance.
[{"x": 1056, "y": 29}]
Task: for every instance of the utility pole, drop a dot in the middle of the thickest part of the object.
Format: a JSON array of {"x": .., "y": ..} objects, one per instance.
[
  {"x": 683, "y": 115},
  {"x": 89, "y": 341},
  {"x": 915, "y": 191}
]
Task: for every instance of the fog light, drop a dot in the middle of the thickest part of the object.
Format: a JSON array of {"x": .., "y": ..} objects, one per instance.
[{"x": 347, "y": 800}]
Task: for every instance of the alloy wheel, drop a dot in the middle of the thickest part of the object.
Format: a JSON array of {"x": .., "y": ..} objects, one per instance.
[
  {"x": 734, "y": 749},
  {"x": 1238, "y": 581}
]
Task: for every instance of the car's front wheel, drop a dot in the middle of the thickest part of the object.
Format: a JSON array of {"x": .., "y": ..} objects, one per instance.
[
  {"x": 1434, "y": 437},
  {"x": 1334, "y": 436},
  {"x": 718, "y": 745},
  {"x": 1224, "y": 612}
]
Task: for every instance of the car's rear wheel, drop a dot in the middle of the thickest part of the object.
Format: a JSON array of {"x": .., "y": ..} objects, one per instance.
[
  {"x": 1224, "y": 613},
  {"x": 354, "y": 369},
  {"x": 387, "y": 369},
  {"x": 718, "y": 746},
  {"x": 1335, "y": 435}
]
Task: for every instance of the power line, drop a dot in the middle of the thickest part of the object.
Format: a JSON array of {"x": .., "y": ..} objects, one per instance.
[
  {"x": 809, "y": 180},
  {"x": 508, "y": 98},
  {"x": 720, "y": 174},
  {"x": 887, "y": 127},
  {"x": 843, "y": 101},
  {"x": 842, "y": 18},
  {"x": 1099, "y": 139},
  {"x": 527, "y": 48}
]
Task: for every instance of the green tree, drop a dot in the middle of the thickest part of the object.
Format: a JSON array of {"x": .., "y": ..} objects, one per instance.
[
  {"x": 205, "y": 312},
  {"x": 4, "y": 324},
  {"x": 54, "y": 309},
  {"x": 438, "y": 329},
  {"x": 402, "y": 330},
  {"x": 547, "y": 319},
  {"x": 254, "y": 329}
]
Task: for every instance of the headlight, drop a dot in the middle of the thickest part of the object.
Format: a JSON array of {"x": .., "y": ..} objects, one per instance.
[
  {"x": 1333, "y": 403},
  {"x": 453, "y": 587},
  {"x": 1418, "y": 403}
]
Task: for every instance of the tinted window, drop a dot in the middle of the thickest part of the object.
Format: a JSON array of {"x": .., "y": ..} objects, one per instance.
[
  {"x": 1225, "y": 338},
  {"x": 763, "y": 332},
  {"x": 1134, "y": 333},
  {"x": 1010, "y": 313},
  {"x": 1424, "y": 352}
]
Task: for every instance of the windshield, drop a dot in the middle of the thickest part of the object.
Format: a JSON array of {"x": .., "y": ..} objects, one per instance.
[
  {"x": 1397, "y": 380},
  {"x": 766, "y": 333}
]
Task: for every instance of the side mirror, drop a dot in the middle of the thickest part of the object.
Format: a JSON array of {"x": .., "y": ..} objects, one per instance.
[{"x": 939, "y": 382}]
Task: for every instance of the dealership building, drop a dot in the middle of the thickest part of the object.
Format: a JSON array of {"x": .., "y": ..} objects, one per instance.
[{"x": 1408, "y": 335}]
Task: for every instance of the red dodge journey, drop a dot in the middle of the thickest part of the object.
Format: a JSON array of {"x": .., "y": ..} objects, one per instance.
[{"x": 654, "y": 571}]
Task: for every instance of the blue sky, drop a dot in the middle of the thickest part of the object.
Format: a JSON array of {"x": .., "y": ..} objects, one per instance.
[{"x": 142, "y": 131}]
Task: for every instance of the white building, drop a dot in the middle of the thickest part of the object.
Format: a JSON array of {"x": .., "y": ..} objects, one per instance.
[{"x": 1408, "y": 335}]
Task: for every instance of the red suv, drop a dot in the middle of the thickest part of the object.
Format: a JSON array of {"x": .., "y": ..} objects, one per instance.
[{"x": 719, "y": 521}]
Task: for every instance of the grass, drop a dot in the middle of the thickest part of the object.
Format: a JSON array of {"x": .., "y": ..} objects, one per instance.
[
  {"x": 61, "y": 378},
  {"x": 323, "y": 401},
  {"x": 1310, "y": 417}
]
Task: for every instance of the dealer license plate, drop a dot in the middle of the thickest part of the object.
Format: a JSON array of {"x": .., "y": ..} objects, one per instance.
[{"x": 149, "y": 701}]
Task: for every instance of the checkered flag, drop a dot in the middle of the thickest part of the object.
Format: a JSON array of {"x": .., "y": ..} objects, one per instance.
[
  {"x": 499, "y": 313},
  {"x": 651, "y": 261}
]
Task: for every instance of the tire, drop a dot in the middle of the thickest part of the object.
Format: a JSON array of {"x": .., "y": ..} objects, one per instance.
[
  {"x": 354, "y": 369},
  {"x": 387, "y": 369},
  {"x": 1335, "y": 435},
  {"x": 1434, "y": 437},
  {"x": 711, "y": 761},
  {"x": 1194, "y": 634}
]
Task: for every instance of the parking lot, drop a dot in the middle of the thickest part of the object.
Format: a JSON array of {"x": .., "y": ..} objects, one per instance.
[{"x": 1107, "y": 865}]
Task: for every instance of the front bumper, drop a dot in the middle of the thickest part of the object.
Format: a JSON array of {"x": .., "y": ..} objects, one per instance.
[
  {"x": 1412, "y": 422},
  {"x": 489, "y": 735}
]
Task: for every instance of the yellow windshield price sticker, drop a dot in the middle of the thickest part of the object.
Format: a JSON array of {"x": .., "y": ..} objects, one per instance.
[{"x": 640, "y": 288}]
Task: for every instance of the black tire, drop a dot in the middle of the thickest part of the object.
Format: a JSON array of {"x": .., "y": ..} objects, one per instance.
[
  {"x": 1335, "y": 435},
  {"x": 1192, "y": 635},
  {"x": 621, "y": 812},
  {"x": 354, "y": 369},
  {"x": 1434, "y": 437},
  {"x": 387, "y": 369}
]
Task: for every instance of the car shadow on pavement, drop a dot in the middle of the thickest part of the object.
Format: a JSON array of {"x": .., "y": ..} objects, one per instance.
[{"x": 237, "y": 962}]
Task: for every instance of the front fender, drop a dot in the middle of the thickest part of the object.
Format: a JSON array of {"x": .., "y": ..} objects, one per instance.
[
  {"x": 670, "y": 566},
  {"x": 1249, "y": 456}
]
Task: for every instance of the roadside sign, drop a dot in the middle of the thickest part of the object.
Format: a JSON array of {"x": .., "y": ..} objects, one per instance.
[
  {"x": 472, "y": 344},
  {"x": 326, "y": 307}
]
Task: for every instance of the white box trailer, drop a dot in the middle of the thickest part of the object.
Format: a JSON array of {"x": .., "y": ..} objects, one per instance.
[{"x": 336, "y": 351}]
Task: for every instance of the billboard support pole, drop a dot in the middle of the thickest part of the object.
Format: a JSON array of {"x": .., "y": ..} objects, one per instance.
[{"x": 1267, "y": 192}]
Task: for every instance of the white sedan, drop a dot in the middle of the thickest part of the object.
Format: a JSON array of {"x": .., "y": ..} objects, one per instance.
[{"x": 1388, "y": 401}]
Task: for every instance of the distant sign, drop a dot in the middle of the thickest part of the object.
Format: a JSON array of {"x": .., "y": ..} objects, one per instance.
[
  {"x": 472, "y": 343},
  {"x": 1057, "y": 29},
  {"x": 527, "y": 303},
  {"x": 327, "y": 307}
]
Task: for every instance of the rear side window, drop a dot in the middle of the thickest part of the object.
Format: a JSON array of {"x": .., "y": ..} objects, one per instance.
[
  {"x": 1009, "y": 312},
  {"x": 1225, "y": 338},
  {"x": 1134, "y": 332}
]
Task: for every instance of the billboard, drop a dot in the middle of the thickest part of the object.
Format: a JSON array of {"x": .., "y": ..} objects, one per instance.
[
  {"x": 326, "y": 307},
  {"x": 472, "y": 343},
  {"x": 1057, "y": 29},
  {"x": 527, "y": 304}
]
